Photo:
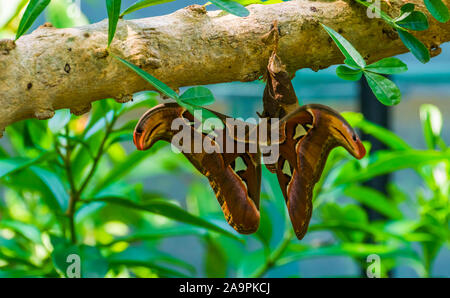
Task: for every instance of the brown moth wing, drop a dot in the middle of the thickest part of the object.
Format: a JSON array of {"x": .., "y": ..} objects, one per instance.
[
  {"x": 238, "y": 192},
  {"x": 324, "y": 129}
]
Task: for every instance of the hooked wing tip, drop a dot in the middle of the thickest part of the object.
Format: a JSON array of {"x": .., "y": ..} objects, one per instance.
[
  {"x": 361, "y": 151},
  {"x": 137, "y": 139}
]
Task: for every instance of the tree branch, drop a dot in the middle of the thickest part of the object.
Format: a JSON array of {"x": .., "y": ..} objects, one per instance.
[{"x": 53, "y": 68}]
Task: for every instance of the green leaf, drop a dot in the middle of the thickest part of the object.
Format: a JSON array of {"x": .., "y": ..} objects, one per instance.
[
  {"x": 262, "y": 2},
  {"x": 387, "y": 162},
  {"x": 59, "y": 121},
  {"x": 431, "y": 119},
  {"x": 384, "y": 89},
  {"x": 168, "y": 210},
  {"x": 143, "y": 4},
  {"x": 3, "y": 153},
  {"x": 415, "y": 20},
  {"x": 350, "y": 53},
  {"x": 416, "y": 47},
  {"x": 14, "y": 250},
  {"x": 123, "y": 168},
  {"x": 93, "y": 264},
  {"x": 231, "y": 7},
  {"x": 384, "y": 135},
  {"x": 351, "y": 214},
  {"x": 119, "y": 136},
  {"x": 197, "y": 96},
  {"x": 215, "y": 259},
  {"x": 360, "y": 250},
  {"x": 11, "y": 165},
  {"x": 139, "y": 255},
  {"x": 14, "y": 164},
  {"x": 54, "y": 185},
  {"x": 438, "y": 10},
  {"x": 28, "y": 231},
  {"x": 160, "y": 86},
  {"x": 374, "y": 200},
  {"x": 113, "y": 7},
  {"x": 348, "y": 73},
  {"x": 32, "y": 12},
  {"x": 176, "y": 231},
  {"x": 408, "y": 7},
  {"x": 265, "y": 231},
  {"x": 389, "y": 65}
]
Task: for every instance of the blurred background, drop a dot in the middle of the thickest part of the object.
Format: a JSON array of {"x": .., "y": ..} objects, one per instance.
[{"x": 406, "y": 223}]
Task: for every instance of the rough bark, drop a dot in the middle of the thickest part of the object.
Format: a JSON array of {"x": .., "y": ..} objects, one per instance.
[{"x": 53, "y": 68}]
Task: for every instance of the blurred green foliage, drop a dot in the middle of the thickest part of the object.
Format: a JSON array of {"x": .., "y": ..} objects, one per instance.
[
  {"x": 75, "y": 185},
  {"x": 118, "y": 225}
]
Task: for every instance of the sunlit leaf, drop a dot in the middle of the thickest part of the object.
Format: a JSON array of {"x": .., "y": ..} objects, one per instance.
[
  {"x": 168, "y": 210},
  {"x": 431, "y": 119},
  {"x": 28, "y": 231},
  {"x": 61, "y": 118}
]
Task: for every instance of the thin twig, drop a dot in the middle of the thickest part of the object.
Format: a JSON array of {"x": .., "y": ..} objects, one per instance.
[{"x": 273, "y": 258}]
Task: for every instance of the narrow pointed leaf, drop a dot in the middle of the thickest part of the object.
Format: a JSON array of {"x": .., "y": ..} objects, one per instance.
[
  {"x": 169, "y": 210},
  {"x": 32, "y": 12},
  {"x": 143, "y": 4},
  {"x": 160, "y": 86},
  {"x": 350, "y": 53},
  {"x": 386, "y": 136},
  {"x": 374, "y": 200},
  {"x": 113, "y": 7},
  {"x": 231, "y": 7}
]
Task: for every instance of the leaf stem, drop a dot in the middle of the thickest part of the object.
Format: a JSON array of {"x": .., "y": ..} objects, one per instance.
[
  {"x": 98, "y": 156},
  {"x": 75, "y": 194},
  {"x": 273, "y": 258}
]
